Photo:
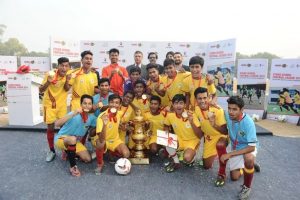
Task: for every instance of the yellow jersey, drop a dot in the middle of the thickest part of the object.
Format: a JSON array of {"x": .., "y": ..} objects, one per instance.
[
  {"x": 190, "y": 85},
  {"x": 203, "y": 118},
  {"x": 112, "y": 127},
  {"x": 82, "y": 83},
  {"x": 174, "y": 86},
  {"x": 152, "y": 85},
  {"x": 55, "y": 95},
  {"x": 182, "y": 127}
]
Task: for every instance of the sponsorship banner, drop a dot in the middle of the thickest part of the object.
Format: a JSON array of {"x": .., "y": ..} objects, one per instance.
[
  {"x": 220, "y": 63},
  {"x": 187, "y": 49},
  {"x": 252, "y": 71},
  {"x": 61, "y": 47},
  {"x": 127, "y": 48},
  {"x": 37, "y": 64},
  {"x": 7, "y": 64},
  {"x": 252, "y": 76},
  {"x": 284, "y": 88}
]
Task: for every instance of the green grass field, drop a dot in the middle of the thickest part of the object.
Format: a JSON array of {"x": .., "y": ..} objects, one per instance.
[{"x": 275, "y": 109}]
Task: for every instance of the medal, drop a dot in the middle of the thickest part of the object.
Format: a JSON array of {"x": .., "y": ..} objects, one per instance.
[
  {"x": 184, "y": 115},
  {"x": 113, "y": 110},
  {"x": 144, "y": 97}
]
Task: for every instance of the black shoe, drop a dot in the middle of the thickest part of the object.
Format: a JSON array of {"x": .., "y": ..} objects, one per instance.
[{"x": 257, "y": 167}]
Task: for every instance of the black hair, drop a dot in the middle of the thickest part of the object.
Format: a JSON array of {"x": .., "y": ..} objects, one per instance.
[
  {"x": 285, "y": 90},
  {"x": 130, "y": 92},
  {"x": 168, "y": 62},
  {"x": 152, "y": 53},
  {"x": 196, "y": 60},
  {"x": 84, "y": 53},
  {"x": 150, "y": 66},
  {"x": 135, "y": 69},
  {"x": 178, "y": 97},
  {"x": 177, "y": 52},
  {"x": 114, "y": 50},
  {"x": 114, "y": 96},
  {"x": 237, "y": 100},
  {"x": 62, "y": 60},
  {"x": 103, "y": 80},
  {"x": 200, "y": 90},
  {"x": 170, "y": 52},
  {"x": 86, "y": 96},
  {"x": 155, "y": 98},
  {"x": 140, "y": 82}
]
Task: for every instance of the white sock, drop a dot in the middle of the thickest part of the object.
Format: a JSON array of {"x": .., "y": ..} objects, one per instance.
[{"x": 173, "y": 154}]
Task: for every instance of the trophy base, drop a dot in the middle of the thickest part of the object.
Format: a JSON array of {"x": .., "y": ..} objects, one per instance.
[{"x": 139, "y": 161}]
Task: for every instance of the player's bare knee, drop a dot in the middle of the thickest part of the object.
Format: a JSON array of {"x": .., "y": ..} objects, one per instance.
[
  {"x": 153, "y": 148},
  {"x": 86, "y": 159},
  {"x": 207, "y": 165},
  {"x": 234, "y": 177},
  {"x": 126, "y": 153},
  {"x": 249, "y": 161},
  {"x": 188, "y": 157}
]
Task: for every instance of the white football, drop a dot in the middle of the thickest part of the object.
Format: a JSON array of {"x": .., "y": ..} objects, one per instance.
[
  {"x": 123, "y": 166},
  {"x": 281, "y": 118}
]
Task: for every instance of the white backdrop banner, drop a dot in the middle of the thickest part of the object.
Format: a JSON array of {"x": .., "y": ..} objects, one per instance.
[
  {"x": 252, "y": 71},
  {"x": 37, "y": 64},
  {"x": 7, "y": 64},
  {"x": 61, "y": 47},
  {"x": 127, "y": 48},
  {"x": 284, "y": 86},
  {"x": 285, "y": 72}
]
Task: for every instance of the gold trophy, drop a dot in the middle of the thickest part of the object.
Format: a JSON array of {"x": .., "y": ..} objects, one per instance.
[{"x": 140, "y": 135}]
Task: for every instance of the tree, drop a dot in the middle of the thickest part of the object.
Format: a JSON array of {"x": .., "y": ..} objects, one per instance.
[
  {"x": 12, "y": 47},
  {"x": 2, "y": 28}
]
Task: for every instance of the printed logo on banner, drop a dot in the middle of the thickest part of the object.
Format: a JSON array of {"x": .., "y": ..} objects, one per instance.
[
  {"x": 136, "y": 44},
  {"x": 185, "y": 45},
  {"x": 281, "y": 65},
  {"x": 89, "y": 43},
  {"x": 215, "y": 46},
  {"x": 168, "y": 46},
  {"x": 63, "y": 43}
]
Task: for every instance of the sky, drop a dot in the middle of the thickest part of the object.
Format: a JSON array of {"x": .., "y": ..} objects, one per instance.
[{"x": 257, "y": 25}]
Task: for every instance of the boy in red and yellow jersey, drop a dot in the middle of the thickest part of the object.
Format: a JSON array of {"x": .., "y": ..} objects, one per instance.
[
  {"x": 55, "y": 87},
  {"x": 84, "y": 80}
]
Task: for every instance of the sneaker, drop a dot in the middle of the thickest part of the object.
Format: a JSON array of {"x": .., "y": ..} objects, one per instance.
[
  {"x": 112, "y": 158},
  {"x": 244, "y": 193},
  {"x": 172, "y": 167},
  {"x": 50, "y": 156},
  {"x": 257, "y": 167},
  {"x": 220, "y": 181},
  {"x": 75, "y": 171},
  {"x": 99, "y": 169}
]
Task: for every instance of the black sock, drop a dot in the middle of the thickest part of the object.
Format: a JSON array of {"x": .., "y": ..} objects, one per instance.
[
  {"x": 52, "y": 149},
  {"x": 71, "y": 152}
]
